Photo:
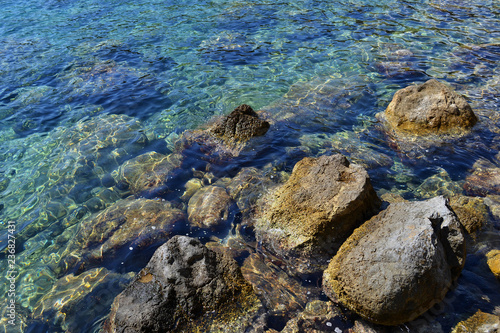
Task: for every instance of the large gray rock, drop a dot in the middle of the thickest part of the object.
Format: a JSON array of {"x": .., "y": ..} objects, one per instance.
[
  {"x": 318, "y": 207},
  {"x": 429, "y": 108},
  {"x": 400, "y": 263},
  {"x": 184, "y": 288}
]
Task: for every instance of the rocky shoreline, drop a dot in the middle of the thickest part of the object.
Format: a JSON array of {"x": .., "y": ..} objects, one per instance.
[{"x": 381, "y": 260}]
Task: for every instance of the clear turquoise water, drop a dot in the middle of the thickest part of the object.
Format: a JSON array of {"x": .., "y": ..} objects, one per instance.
[{"x": 172, "y": 65}]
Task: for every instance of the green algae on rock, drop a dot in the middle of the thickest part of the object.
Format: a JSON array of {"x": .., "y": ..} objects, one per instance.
[
  {"x": 318, "y": 207},
  {"x": 400, "y": 263}
]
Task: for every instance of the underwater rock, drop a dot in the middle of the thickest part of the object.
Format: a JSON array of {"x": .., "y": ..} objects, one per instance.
[
  {"x": 349, "y": 144},
  {"x": 484, "y": 179},
  {"x": 318, "y": 207},
  {"x": 147, "y": 171},
  {"x": 472, "y": 212},
  {"x": 242, "y": 124},
  {"x": 438, "y": 184},
  {"x": 73, "y": 299},
  {"x": 416, "y": 326},
  {"x": 318, "y": 316},
  {"x": 246, "y": 188},
  {"x": 479, "y": 322},
  {"x": 494, "y": 262},
  {"x": 184, "y": 288},
  {"x": 226, "y": 137},
  {"x": 209, "y": 207},
  {"x": 429, "y": 108},
  {"x": 128, "y": 225},
  {"x": 400, "y": 263},
  {"x": 282, "y": 294}
]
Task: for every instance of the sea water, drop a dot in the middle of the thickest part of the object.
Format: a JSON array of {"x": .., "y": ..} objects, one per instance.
[{"x": 87, "y": 85}]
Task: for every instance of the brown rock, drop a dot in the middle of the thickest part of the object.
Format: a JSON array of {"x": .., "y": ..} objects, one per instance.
[
  {"x": 494, "y": 262},
  {"x": 429, "y": 108},
  {"x": 483, "y": 180},
  {"x": 479, "y": 322},
  {"x": 129, "y": 224},
  {"x": 147, "y": 171},
  {"x": 241, "y": 124},
  {"x": 471, "y": 211},
  {"x": 318, "y": 207},
  {"x": 209, "y": 207}
]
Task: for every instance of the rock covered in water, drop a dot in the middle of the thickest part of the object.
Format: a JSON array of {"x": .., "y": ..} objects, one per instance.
[
  {"x": 73, "y": 299},
  {"x": 147, "y": 171},
  {"x": 318, "y": 207},
  {"x": 318, "y": 316},
  {"x": 429, "y": 108},
  {"x": 184, "y": 288},
  {"x": 400, "y": 263},
  {"x": 480, "y": 322},
  {"x": 484, "y": 179},
  {"x": 128, "y": 225},
  {"x": 209, "y": 207}
]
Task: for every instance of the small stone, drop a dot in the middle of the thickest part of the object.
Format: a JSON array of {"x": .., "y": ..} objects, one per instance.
[
  {"x": 479, "y": 322},
  {"x": 494, "y": 262}
]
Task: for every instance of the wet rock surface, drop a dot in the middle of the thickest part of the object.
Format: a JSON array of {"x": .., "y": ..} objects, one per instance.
[
  {"x": 400, "y": 263},
  {"x": 185, "y": 287},
  {"x": 318, "y": 207},
  {"x": 479, "y": 322},
  {"x": 241, "y": 124},
  {"x": 494, "y": 262},
  {"x": 429, "y": 108},
  {"x": 484, "y": 179}
]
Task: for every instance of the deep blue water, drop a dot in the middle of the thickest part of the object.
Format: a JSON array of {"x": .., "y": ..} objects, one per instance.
[{"x": 168, "y": 66}]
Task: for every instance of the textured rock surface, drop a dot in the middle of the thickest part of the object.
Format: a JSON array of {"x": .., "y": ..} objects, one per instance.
[
  {"x": 318, "y": 207},
  {"x": 429, "y": 108},
  {"x": 209, "y": 207},
  {"x": 472, "y": 212},
  {"x": 480, "y": 322},
  {"x": 400, "y": 263},
  {"x": 318, "y": 316},
  {"x": 127, "y": 225},
  {"x": 241, "y": 124},
  {"x": 494, "y": 262},
  {"x": 184, "y": 288}
]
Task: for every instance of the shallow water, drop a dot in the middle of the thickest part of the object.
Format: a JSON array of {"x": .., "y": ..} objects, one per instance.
[{"x": 86, "y": 86}]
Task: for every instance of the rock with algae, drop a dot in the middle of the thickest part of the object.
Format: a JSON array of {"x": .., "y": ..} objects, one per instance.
[
  {"x": 400, "y": 263},
  {"x": 480, "y": 322},
  {"x": 185, "y": 288},
  {"x": 318, "y": 207},
  {"x": 494, "y": 262}
]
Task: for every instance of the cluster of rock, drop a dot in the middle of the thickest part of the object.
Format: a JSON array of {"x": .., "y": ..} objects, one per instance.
[{"x": 388, "y": 266}]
